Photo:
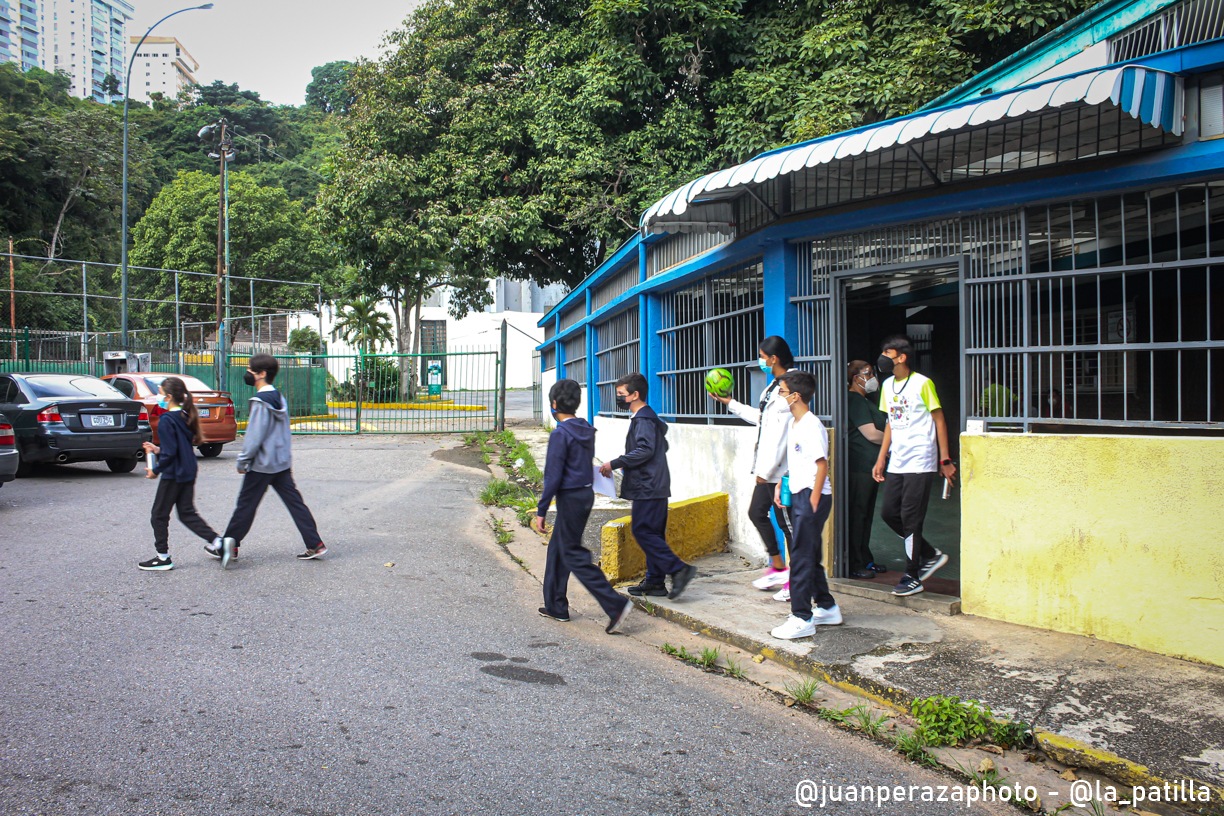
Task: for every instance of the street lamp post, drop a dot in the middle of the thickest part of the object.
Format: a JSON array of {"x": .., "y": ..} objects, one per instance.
[{"x": 123, "y": 238}]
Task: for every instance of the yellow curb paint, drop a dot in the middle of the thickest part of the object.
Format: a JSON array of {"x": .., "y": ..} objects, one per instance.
[
  {"x": 695, "y": 527},
  {"x": 297, "y": 420}
]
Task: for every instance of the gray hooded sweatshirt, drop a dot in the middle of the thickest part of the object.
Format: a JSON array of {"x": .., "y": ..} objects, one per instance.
[{"x": 265, "y": 445}]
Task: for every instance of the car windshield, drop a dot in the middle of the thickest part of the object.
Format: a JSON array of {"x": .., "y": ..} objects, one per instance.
[
  {"x": 69, "y": 386},
  {"x": 193, "y": 385}
]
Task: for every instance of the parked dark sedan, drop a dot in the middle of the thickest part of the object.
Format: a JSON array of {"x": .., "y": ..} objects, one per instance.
[
  {"x": 8, "y": 453},
  {"x": 72, "y": 418}
]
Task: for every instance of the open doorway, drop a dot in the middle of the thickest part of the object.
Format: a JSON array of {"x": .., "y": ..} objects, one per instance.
[{"x": 924, "y": 303}]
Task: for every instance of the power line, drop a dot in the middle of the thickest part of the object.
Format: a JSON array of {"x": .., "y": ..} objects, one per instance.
[{"x": 261, "y": 146}]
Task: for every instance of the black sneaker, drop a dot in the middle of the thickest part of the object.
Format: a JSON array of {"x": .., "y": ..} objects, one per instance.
[
  {"x": 930, "y": 565},
  {"x": 215, "y": 549},
  {"x": 908, "y": 585},
  {"x": 874, "y": 567},
  {"x": 313, "y": 552},
  {"x": 544, "y": 613},
  {"x": 680, "y": 580},
  {"x": 157, "y": 563},
  {"x": 655, "y": 590}
]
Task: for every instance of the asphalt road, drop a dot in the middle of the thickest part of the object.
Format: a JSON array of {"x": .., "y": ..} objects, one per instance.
[{"x": 348, "y": 686}]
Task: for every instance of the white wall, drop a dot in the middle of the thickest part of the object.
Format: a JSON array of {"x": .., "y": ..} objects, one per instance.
[{"x": 703, "y": 459}]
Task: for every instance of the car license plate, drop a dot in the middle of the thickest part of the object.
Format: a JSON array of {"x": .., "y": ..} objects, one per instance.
[
  {"x": 103, "y": 420},
  {"x": 204, "y": 412}
]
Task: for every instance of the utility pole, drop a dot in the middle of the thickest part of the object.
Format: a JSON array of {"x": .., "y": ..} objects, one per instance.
[
  {"x": 12, "y": 299},
  {"x": 221, "y": 222}
]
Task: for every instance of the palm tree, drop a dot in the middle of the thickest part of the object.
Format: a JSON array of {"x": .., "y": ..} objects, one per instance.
[{"x": 360, "y": 323}]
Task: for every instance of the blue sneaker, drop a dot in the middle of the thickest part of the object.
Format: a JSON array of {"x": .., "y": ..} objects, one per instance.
[
  {"x": 908, "y": 585},
  {"x": 932, "y": 564}
]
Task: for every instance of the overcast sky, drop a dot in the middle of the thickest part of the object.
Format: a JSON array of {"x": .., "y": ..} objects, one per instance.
[{"x": 270, "y": 46}]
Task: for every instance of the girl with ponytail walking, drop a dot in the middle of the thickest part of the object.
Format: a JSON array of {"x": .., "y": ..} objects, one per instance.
[{"x": 178, "y": 430}]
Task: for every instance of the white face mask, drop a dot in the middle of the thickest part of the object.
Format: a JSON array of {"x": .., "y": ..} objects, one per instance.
[{"x": 872, "y": 385}]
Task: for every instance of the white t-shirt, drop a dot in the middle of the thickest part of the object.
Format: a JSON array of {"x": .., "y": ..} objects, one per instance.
[
  {"x": 807, "y": 442},
  {"x": 908, "y": 404}
]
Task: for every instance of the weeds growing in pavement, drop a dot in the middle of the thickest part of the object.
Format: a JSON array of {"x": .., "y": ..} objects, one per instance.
[
  {"x": 869, "y": 723},
  {"x": 501, "y": 533},
  {"x": 802, "y": 690},
  {"x": 669, "y": 649},
  {"x": 499, "y": 493},
  {"x": 951, "y": 721},
  {"x": 524, "y": 509},
  {"x": 733, "y": 668},
  {"x": 707, "y": 658},
  {"x": 836, "y": 716},
  {"x": 913, "y": 746}
]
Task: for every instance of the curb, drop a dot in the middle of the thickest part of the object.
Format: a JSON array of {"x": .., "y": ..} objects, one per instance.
[
  {"x": 297, "y": 420},
  {"x": 1063, "y": 749}
]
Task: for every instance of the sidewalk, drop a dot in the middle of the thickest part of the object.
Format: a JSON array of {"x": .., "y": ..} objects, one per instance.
[{"x": 1119, "y": 711}]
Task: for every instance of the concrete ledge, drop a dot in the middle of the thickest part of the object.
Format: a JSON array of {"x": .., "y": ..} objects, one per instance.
[
  {"x": 695, "y": 527},
  {"x": 297, "y": 420},
  {"x": 924, "y": 602}
]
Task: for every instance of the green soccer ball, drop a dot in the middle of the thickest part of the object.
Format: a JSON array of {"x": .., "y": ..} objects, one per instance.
[{"x": 719, "y": 382}]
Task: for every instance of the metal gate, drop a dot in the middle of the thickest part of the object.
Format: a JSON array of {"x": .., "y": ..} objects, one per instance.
[{"x": 451, "y": 392}]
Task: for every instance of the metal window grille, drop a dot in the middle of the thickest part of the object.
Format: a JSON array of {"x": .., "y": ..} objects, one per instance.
[
  {"x": 1185, "y": 23},
  {"x": 569, "y": 318},
  {"x": 550, "y": 330},
  {"x": 716, "y": 322},
  {"x": 548, "y": 358},
  {"x": 617, "y": 285},
  {"x": 1117, "y": 321},
  {"x": 618, "y": 353},
  {"x": 576, "y": 357},
  {"x": 678, "y": 248}
]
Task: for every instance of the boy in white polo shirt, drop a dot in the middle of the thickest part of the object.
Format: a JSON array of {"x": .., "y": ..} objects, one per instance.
[
  {"x": 917, "y": 439},
  {"x": 807, "y": 464}
]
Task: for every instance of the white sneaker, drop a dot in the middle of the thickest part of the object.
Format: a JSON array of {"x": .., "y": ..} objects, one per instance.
[
  {"x": 827, "y": 617},
  {"x": 794, "y": 628},
  {"x": 782, "y": 595},
  {"x": 772, "y": 579}
]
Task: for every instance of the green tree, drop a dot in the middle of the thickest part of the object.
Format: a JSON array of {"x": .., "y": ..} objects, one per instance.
[
  {"x": 305, "y": 339},
  {"x": 271, "y": 236},
  {"x": 360, "y": 323},
  {"x": 328, "y": 90}
]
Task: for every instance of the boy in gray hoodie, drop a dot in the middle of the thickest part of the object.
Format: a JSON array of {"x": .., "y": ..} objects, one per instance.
[{"x": 266, "y": 461}]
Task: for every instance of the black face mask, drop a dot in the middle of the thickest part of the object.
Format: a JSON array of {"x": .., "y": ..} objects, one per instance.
[
  {"x": 621, "y": 404},
  {"x": 885, "y": 365},
  {"x": 249, "y": 379}
]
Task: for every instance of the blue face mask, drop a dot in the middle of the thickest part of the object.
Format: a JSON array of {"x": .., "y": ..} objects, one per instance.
[
  {"x": 765, "y": 366},
  {"x": 163, "y": 402}
]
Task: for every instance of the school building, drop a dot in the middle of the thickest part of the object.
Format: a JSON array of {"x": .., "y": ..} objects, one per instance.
[{"x": 1051, "y": 233}]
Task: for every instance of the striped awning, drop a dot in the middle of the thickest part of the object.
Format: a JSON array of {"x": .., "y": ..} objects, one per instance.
[{"x": 1150, "y": 96}]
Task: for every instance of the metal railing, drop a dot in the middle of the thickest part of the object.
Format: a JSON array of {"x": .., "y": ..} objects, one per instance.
[
  {"x": 1185, "y": 23},
  {"x": 617, "y": 353}
]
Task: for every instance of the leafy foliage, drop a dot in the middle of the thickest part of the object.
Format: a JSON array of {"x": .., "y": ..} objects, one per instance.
[
  {"x": 270, "y": 237},
  {"x": 328, "y": 89},
  {"x": 951, "y": 721},
  {"x": 523, "y": 139}
]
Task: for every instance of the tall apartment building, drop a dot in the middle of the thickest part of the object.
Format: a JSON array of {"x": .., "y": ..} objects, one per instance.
[
  {"x": 85, "y": 39},
  {"x": 19, "y": 33},
  {"x": 162, "y": 66}
]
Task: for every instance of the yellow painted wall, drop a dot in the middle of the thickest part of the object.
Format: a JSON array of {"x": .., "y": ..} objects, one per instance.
[{"x": 1114, "y": 536}]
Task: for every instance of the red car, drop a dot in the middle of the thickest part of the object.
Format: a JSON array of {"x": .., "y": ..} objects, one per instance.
[{"x": 217, "y": 423}]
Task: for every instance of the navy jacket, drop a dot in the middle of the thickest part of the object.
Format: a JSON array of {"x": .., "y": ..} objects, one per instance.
[
  {"x": 177, "y": 459},
  {"x": 571, "y": 447},
  {"x": 645, "y": 458}
]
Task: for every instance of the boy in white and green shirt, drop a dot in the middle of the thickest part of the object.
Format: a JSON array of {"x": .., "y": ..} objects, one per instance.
[{"x": 917, "y": 439}]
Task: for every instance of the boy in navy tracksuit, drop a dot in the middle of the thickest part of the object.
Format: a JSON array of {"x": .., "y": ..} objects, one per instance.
[
  {"x": 266, "y": 461},
  {"x": 568, "y": 474},
  {"x": 647, "y": 484},
  {"x": 178, "y": 430}
]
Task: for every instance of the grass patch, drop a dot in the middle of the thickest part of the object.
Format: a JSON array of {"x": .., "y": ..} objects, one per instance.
[
  {"x": 500, "y": 493},
  {"x": 913, "y": 746},
  {"x": 868, "y": 722},
  {"x": 734, "y": 669},
  {"x": 802, "y": 690}
]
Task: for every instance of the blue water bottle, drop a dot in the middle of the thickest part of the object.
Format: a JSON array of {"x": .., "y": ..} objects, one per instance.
[{"x": 784, "y": 491}]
